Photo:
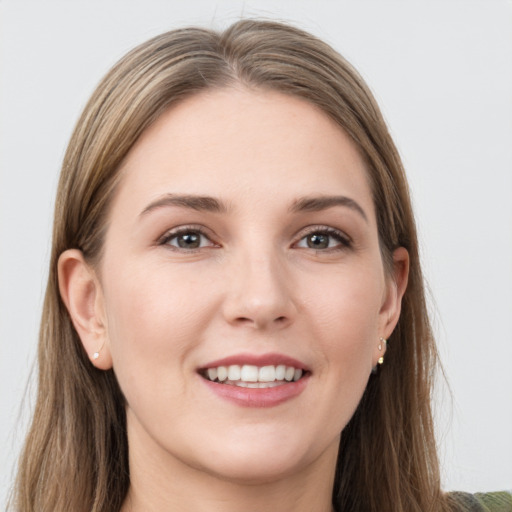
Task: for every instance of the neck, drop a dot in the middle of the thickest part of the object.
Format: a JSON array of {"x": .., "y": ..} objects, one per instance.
[
  {"x": 164, "y": 483},
  {"x": 284, "y": 496}
]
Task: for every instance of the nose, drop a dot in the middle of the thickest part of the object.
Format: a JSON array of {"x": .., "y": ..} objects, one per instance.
[{"x": 259, "y": 293}]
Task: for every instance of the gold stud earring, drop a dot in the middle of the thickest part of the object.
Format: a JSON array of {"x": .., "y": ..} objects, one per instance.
[
  {"x": 97, "y": 354},
  {"x": 382, "y": 341}
]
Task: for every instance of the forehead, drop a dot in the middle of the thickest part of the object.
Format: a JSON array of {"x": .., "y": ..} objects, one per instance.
[{"x": 246, "y": 145}]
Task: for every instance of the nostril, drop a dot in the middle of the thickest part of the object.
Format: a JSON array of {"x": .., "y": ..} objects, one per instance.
[
  {"x": 244, "y": 320},
  {"x": 260, "y": 323}
]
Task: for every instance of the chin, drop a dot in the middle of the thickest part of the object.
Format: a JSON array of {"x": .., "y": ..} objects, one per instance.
[
  {"x": 259, "y": 459},
  {"x": 255, "y": 471}
]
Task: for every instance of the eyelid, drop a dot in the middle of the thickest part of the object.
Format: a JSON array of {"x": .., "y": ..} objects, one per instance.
[
  {"x": 186, "y": 228},
  {"x": 345, "y": 241}
]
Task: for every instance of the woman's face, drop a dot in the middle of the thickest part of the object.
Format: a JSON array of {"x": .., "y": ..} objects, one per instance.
[{"x": 242, "y": 245}]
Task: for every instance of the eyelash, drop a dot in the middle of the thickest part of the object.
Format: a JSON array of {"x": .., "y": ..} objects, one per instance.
[
  {"x": 344, "y": 241},
  {"x": 183, "y": 230}
]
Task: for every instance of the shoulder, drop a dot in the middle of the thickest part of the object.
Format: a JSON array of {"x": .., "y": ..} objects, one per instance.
[{"x": 482, "y": 501}]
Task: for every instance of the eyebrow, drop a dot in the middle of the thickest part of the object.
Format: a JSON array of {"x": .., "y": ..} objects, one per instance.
[
  {"x": 211, "y": 204},
  {"x": 316, "y": 204},
  {"x": 199, "y": 203}
]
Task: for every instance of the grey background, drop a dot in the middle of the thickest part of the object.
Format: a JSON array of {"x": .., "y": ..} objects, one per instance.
[{"x": 442, "y": 73}]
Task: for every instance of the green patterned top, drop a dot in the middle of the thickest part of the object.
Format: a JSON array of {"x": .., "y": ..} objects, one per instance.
[{"x": 484, "y": 501}]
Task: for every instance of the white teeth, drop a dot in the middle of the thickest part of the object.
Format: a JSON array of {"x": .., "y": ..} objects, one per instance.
[
  {"x": 234, "y": 372},
  {"x": 267, "y": 374},
  {"x": 253, "y": 376},
  {"x": 249, "y": 373},
  {"x": 222, "y": 373},
  {"x": 254, "y": 385}
]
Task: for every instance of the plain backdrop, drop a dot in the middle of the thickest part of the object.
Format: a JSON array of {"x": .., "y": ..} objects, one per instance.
[{"x": 442, "y": 73}]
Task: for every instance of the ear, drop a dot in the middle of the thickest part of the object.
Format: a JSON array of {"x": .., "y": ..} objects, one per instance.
[
  {"x": 82, "y": 294},
  {"x": 395, "y": 289}
]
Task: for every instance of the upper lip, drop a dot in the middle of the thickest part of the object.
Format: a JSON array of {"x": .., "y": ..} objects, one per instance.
[{"x": 257, "y": 360}]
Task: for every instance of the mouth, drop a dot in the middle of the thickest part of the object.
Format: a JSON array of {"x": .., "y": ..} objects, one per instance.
[
  {"x": 250, "y": 380},
  {"x": 252, "y": 376}
]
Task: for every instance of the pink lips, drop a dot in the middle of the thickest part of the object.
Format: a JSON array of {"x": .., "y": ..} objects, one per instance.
[{"x": 259, "y": 397}]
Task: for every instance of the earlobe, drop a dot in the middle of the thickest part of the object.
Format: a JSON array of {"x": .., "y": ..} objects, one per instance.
[{"x": 82, "y": 294}]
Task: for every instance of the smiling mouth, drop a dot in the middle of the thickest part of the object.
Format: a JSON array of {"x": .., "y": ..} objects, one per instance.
[{"x": 251, "y": 376}]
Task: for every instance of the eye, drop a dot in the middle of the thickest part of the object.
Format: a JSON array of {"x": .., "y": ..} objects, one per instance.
[
  {"x": 187, "y": 239},
  {"x": 324, "y": 238}
]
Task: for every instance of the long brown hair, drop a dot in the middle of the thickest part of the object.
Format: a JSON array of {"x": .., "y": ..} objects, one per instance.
[{"x": 76, "y": 453}]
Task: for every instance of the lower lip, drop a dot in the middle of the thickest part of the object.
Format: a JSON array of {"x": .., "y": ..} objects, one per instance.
[{"x": 258, "y": 397}]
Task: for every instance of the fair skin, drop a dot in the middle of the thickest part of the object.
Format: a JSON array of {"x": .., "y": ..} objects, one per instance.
[{"x": 263, "y": 271}]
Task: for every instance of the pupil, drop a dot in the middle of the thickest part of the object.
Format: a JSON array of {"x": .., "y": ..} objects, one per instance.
[
  {"x": 189, "y": 240},
  {"x": 318, "y": 241}
]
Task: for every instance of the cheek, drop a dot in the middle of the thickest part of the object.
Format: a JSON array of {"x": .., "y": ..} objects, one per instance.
[
  {"x": 346, "y": 323},
  {"x": 347, "y": 307},
  {"x": 345, "y": 326},
  {"x": 154, "y": 320}
]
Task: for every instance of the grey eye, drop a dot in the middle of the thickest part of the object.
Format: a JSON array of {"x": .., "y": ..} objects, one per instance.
[
  {"x": 188, "y": 240},
  {"x": 317, "y": 241}
]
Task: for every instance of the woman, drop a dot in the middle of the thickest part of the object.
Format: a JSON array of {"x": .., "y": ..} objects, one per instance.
[{"x": 235, "y": 316}]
